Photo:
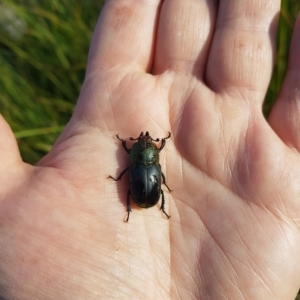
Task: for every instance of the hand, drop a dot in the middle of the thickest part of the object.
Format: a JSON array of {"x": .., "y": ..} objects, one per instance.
[{"x": 199, "y": 69}]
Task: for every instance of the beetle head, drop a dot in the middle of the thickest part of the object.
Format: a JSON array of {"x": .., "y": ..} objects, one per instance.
[{"x": 144, "y": 138}]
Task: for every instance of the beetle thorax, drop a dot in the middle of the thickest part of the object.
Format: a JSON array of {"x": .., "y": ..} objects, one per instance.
[{"x": 144, "y": 152}]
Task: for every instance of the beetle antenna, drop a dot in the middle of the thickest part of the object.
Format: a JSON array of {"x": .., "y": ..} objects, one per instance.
[{"x": 133, "y": 139}]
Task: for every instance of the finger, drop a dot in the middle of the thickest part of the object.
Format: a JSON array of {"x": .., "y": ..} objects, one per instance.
[
  {"x": 243, "y": 47},
  {"x": 184, "y": 34},
  {"x": 9, "y": 151},
  {"x": 124, "y": 35},
  {"x": 285, "y": 115},
  {"x": 10, "y": 157}
]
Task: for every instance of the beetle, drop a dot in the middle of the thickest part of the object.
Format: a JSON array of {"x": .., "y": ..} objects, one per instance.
[{"x": 145, "y": 175}]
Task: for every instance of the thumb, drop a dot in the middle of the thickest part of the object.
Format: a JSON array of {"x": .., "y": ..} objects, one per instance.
[{"x": 9, "y": 151}]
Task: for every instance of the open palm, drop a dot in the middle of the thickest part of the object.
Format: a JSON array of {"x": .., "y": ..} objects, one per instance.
[{"x": 199, "y": 69}]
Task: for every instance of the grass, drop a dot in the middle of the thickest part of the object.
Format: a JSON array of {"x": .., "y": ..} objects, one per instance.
[{"x": 43, "y": 49}]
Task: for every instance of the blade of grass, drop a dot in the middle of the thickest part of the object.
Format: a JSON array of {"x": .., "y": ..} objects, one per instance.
[{"x": 38, "y": 131}]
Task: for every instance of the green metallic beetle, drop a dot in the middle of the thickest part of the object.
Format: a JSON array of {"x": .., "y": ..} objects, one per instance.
[{"x": 145, "y": 173}]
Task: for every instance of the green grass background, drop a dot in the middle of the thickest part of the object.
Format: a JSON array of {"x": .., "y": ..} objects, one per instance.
[{"x": 43, "y": 52}]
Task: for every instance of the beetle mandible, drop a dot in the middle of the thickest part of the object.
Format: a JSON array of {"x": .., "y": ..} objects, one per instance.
[{"x": 145, "y": 175}]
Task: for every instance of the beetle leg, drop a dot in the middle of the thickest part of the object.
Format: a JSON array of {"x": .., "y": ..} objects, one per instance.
[
  {"x": 163, "y": 204},
  {"x": 164, "y": 181},
  {"x": 154, "y": 140},
  {"x": 128, "y": 205},
  {"x": 120, "y": 176},
  {"x": 163, "y": 142},
  {"x": 123, "y": 144}
]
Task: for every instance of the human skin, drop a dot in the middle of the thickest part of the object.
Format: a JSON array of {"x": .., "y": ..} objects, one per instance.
[{"x": 199, "y": 69}]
